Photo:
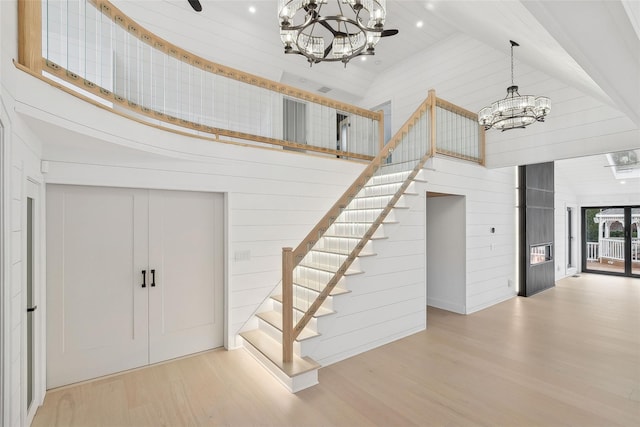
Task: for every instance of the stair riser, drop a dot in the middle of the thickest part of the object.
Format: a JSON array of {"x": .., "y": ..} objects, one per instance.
[
  {"x": 342, "y": 245},
  {"x": 303, "y": 297},
  {"x": 300, "y": 348},
  {"x": 302, "y": 307},
  {"x": 391, "y": 178},
  {"x": 293, "y": 384}
]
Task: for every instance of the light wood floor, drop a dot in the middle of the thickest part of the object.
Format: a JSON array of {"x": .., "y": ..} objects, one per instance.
[{"x": 569, "y": 356}]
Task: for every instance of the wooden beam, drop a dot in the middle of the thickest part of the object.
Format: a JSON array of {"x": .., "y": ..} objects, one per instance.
[{"x": 30, "y": 34}]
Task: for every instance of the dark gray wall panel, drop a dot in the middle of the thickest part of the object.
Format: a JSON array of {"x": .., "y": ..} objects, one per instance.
[{"x": 536, "y": 212}]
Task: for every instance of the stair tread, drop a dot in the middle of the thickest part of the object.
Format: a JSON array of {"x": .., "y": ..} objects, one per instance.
[
  {"x": 272, "y": 350},
  {"x": 344, "y": 253},
  {"x": 349, "y": 272},
  {"x": 353, "y": 237},
  {"x": 322, "y": 311},
  {"x": 275, "y": 319},
  {"x": 365, "y": 222},
  {"x": 335, "y": 291}
]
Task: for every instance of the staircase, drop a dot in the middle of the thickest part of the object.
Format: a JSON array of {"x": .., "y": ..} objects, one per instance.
[
  {"x": 321, "y": 263},
  {"x": 315, "y": 274}
]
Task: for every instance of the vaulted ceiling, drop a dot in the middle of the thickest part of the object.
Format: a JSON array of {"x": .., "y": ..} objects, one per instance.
[{"x": 594, "y": 44}]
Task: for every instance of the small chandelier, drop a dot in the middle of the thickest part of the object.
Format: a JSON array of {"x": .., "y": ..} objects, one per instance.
[
  {"x": 335, "y": 36},
  {"x": 515, "y": 110}
]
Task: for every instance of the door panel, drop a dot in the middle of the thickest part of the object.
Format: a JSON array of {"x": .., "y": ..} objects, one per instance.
[
  {"x": 185, "y": 250},
  {"x": 97, "y": 310}
]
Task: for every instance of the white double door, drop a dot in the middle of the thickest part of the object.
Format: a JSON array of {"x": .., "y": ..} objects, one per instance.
[{"x": 133, "y": 277}]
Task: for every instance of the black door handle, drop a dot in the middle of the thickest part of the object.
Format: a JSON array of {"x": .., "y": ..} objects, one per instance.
[
  {"x": 144, "y": 278},
  {"x": 153, "y": 278},
  {"x": 32, "y": 309}
]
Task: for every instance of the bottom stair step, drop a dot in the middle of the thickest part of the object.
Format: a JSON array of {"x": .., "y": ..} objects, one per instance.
[{"x": 296, "y": 375}]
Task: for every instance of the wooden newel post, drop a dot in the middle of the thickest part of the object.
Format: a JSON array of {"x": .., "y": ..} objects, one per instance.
[
  {"x": 432, "y": 112},
  {"x": 30, "y": 34},
  {"x": 287, "y": 305}
]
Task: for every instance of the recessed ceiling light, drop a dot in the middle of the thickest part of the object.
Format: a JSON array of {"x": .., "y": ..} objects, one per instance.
[
  {"x": 430, "y": 6},
  {"x": 623, "y": 182},
  {"x": 252, "y": 9},
  {"x": 419, "y": 24},
  {"x": 363, "y": 58}
]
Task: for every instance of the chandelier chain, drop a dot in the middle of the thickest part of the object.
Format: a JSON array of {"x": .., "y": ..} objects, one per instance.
[{"x": 512, "y": 64}]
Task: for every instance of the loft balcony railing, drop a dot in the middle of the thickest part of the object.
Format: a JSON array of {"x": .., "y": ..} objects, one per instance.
[{"x": 97, "y": 51}]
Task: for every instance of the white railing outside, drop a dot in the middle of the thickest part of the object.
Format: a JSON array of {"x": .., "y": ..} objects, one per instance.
[
  {"x": 592, "y": 251},
  {"x": 612, "y": 249}
]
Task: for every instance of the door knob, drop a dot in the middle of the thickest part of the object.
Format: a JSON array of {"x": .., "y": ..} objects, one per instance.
[{"x": 32, "y": 309}]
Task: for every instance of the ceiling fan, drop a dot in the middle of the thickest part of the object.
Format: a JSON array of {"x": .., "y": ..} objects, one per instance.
[{"x": 195, "y": 4}]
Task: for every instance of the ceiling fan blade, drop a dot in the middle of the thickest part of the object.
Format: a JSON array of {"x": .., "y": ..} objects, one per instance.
[
  {"x": 328, "y": 27},
  {"x": 327, "y": 50},
  {"x": 195, "y": 4},
  {"x": 387, "y": 33}
]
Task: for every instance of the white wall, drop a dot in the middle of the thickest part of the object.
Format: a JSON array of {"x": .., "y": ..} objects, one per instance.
[
  {"x": 388, "y": 301},
  {"x": 446, "y": 244},
  {"x": 471, "y": 74},
  {"x": 569, "y": 192},
  {"x": 21, "y": 162},
  {"x": 490, "y": 196},
  {"x": 22, "y": 153},
  {"x": 564, "y": 197}
]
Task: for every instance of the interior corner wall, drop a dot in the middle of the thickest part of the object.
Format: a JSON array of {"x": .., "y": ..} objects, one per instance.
[
  {"x": 490, "y": 201},
  {"x": 446, "y": 253}
]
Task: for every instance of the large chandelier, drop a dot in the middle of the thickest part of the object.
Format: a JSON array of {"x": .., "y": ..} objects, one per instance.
[
  {"x": 514, "y": 111},
  {"x": 348, "y": 28}
]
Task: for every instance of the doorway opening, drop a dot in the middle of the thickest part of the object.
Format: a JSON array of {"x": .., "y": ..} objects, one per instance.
[{"x": 446, "y": 251}]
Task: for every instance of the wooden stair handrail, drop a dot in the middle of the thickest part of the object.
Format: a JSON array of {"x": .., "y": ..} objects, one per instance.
[
  {"x": 428, "y": 106},
  {"x": 325, "y": 222},
  {"x": 288, "y": 336},
  {"x": 313, "y": 308}
]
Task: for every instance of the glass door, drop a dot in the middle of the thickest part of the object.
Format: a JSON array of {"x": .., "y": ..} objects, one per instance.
[
  {"x": 635, "y": 241},
  {"x": 610, "y": 243}
]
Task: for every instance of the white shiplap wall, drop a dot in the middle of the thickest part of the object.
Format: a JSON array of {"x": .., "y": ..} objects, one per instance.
[
  {"x": 490, "y": 197},
  {"x": 23, "y": 153},
  {"x": 20, "y": 159},
  {"x": 471, "y": 74}
]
